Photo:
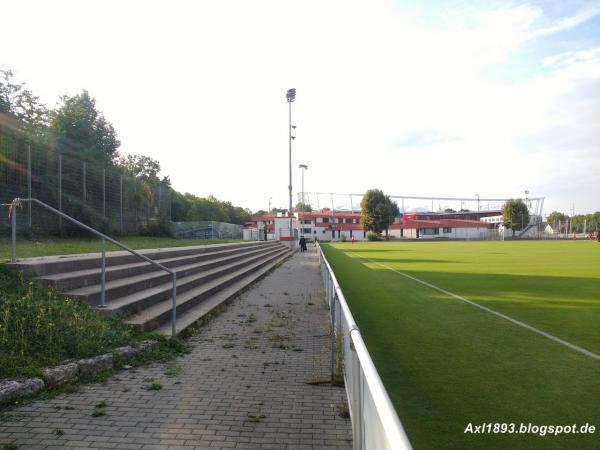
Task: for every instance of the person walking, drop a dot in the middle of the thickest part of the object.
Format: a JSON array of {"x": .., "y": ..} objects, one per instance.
[{"x": 302, "y": 244}]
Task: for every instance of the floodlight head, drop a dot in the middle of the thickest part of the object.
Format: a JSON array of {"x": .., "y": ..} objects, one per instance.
[
  {"x": 294, "y": 127},
  {"x": 303, "y": 166},
  {"x": 293, "y": 137},
  {"x": 290, "y": 95}
]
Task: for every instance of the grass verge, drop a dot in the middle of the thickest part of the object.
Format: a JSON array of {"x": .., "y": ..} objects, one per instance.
[
  {"x": 58, "y": 246},
  {"x": 39, "y": 328}
]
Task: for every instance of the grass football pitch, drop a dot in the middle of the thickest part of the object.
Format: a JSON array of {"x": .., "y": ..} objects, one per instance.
[{"x": 447, "y": 363}]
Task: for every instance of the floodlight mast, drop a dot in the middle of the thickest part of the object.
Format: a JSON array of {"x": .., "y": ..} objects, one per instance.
[{"x": 290, "y": 97}]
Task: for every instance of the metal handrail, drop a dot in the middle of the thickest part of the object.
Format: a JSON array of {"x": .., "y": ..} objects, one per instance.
[
  {"x": 13, "y": 257},
  {"x": 390, "y": 422}
]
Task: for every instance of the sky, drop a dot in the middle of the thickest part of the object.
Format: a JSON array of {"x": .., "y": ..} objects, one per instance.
[{"x": 418, "y": 98}]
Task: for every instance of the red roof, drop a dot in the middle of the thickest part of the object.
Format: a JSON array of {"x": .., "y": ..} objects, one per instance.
[
  {"x": 442, "y": 223},
  {"x": 339, "y": 226},
  {"x": 341, "y": 215},
  {"x": 265, "y": 217}
]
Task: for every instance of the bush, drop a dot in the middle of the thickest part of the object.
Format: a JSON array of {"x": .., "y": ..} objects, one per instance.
[
  {"x": 88, "y": 216},
  {"x": 39, "y": 328},
  {"x": 158, "y": 228},
  {"x": 372, "y": 236}
]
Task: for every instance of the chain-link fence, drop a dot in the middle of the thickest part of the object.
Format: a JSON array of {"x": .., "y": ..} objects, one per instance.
[
  {"x": 102, "y": 196},
  {"x": 207, "y": 230}
]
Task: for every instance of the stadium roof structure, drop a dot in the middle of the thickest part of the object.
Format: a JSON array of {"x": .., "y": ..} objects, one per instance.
[{"x": 350, "y": 203}]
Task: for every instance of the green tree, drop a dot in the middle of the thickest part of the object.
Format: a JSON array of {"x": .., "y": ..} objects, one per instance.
[
  {"x": 80, "y": 129},
  {"x": 378, "y": 211},
  {"x": 594, "y": 221},
  {"x": 188, "y": 207},
  {"x": 577, "y": 222},
  {"x": 20, "y": 103},
  {"x": 302, "y": 207},
  {"x": 515, "y": 215},
  {"x": 142, "y": 167},
  {"x": 554, "y": 217}
]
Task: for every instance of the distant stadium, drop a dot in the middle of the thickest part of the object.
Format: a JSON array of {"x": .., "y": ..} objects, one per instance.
[{"x": 338, "y": 217}]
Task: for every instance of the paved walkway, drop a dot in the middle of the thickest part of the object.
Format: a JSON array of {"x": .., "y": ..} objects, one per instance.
[{"x": 244, "y": 385}]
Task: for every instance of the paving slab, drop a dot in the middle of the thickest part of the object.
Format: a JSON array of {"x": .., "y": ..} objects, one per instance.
[{"x": 245, "y": 384}]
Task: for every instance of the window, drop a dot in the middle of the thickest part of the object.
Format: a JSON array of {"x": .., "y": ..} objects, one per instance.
[
  {"x": 306, "y": 230},
  {"x": 324, "y": 231},
  {"x": 325, "y": 220},
  {"x": 447, "y": 230},
  {"x": 430, "y": 231}
]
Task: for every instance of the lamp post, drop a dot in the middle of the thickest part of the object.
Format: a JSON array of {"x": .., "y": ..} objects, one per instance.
[
  {"x": 303, "y": 167},
  {"x": 477, "y": 195},
  {"x": 269, "y": 205},
  {"x": 290, "y": 97}
]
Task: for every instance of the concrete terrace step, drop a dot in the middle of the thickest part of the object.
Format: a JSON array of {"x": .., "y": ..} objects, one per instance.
[
  {"x": 207, "y": 276},
  {"x": 189, "y": 304},
  {"x": 49, "y": 265},
  {"x": 71, "y": 280},
  {"x": 125, "y": 286},
  {"x": 142, "y": 299},
  {"x": 205, "y": 308}
]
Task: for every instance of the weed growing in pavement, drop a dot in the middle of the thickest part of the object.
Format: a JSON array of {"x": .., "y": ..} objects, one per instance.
[
  {"x": 254, "y": 417},
  {"x": 156, "y": 386}
]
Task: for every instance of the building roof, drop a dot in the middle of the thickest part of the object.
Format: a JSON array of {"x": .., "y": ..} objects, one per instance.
[
  {"x": 329, "y": 213},
  {"x": 441, "y": 223}
]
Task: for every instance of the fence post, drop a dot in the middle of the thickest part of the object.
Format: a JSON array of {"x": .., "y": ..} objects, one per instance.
[
  {"x": 121, "y": 200},
  {"x": 104, "y": 193},
  {"x": 135, "y": 206},
  {"x": 160, "y": 210},
  {"x": 84, "y": 183},
  {"x": 29, "y": 181},
  {"x": 60, "y": 228}
]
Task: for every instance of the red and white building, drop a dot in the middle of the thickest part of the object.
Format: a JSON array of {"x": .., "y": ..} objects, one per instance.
[
  {"x": 327, "y": 225},
  {"x": 435, "y": 226},
  {"x": 271, "y": 227}
]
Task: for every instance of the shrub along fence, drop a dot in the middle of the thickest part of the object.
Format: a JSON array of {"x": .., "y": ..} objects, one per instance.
[{"x": 207, "y": 230}]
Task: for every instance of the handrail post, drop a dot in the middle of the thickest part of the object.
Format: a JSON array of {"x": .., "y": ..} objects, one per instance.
[
  {"x": 103, "y": 276},
  {"x": 357, "y": 419},
  {"x": 13, "y": 220},
  {"x": 174, "y": 307}
]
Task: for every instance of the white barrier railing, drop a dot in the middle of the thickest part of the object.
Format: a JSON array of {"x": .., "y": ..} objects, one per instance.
[{"x": 375, "y": 424}]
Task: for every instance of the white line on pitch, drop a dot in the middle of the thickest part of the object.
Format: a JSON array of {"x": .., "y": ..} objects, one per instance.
[{"x": 490, "y": 310}]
